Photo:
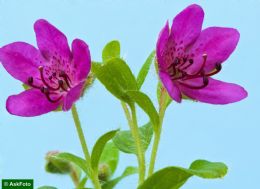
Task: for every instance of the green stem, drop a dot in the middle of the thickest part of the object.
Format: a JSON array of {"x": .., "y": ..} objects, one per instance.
[
  {"x": 157, "y": 136},
  {"x": 93, "y": 177},
  {"x": 74, "y": 177},
  {"x": 132, "y": 121}
]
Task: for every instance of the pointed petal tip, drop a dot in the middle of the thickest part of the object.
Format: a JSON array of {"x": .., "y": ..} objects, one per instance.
[
  {"x": 178, "y": 100},
  {"x": 195, "y": 6},
  {"x": 244, "y": 93},
  {"x": 40, "y": 22},
  {"x": 80, "y": 42}
]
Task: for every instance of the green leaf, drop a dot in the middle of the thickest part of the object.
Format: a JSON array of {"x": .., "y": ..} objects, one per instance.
[
  {"x": 111, "y": 50},
  {"x": 175, "y": 177},
  {"x": 99, "y": 147},
  {"x": 47, "y": 187},
  {"x": 209, "y": 170},
  {"x": 144, "y": 70},
  {"x": 110, "y": 156},
  {"x": 125, "y": 142},
  {"x": 116, "y": 76},
  {"x": 112, "y": 183},
  {"x": 74, "y": 159},
  {"x": 146, "y": 104}
]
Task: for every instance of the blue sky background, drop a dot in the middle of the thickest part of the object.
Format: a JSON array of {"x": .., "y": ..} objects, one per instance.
[{"x": 191, "y": 130}]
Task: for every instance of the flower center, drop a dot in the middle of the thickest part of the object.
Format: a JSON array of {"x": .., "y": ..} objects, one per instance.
[
  {"x": 178, "y": 71},
  {"x": 55, "y": 84}
]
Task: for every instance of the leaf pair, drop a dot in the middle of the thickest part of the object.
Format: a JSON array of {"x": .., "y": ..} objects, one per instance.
[{"x": 119, "y": 80}]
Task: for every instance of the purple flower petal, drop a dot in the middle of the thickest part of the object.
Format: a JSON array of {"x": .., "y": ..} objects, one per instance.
[
  {"x": 51, "y": 41},
  {"x": 186, "y": 26},
  {"x": 217, "y": 92},
  {"x": 29, "y": 103},
  {"x": 161, "y": 46},
  {"x": 171, "y": 87},
  {"x": 81, "y": 59},
  {"x": 21, "y": 60},
  {"x": 218, "y": 43},
  {"x": 72, "y": 96}
]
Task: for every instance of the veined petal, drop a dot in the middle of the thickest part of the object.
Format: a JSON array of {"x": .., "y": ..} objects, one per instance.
[
  {"x": 21, "y": 60},
  {"x": 186, "y": 26},
  {"x": 171, "y": 87},
  {"x": 29, "y": 103},
  {"x": 72, "y": 96},
  {"x": 218, "y": 43},
  {"x": 217, "y": 92},
  {"x": 81, "y": 59},
  {"x": 51, "y": 41}
]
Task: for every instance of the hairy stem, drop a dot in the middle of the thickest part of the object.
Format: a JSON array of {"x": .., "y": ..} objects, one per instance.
[
  {"x": 132, "y": 121},
  {"x": 157, "y": 136},
  {"x": 93, "y": 177}
]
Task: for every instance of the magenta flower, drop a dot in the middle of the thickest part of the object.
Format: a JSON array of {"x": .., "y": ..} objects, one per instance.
[
  {"x": 188, "y": 57},
  {"x": 55, "y": 74}
]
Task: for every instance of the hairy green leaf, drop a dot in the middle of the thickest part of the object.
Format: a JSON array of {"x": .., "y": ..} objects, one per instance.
[
  {"x": 145, "y": 69},
  {"x": 125, "y": 142},
  {"x": 99, "y": 147},
  {"x": 117, "y": 77},
  {"x": 111, "y": 50}
]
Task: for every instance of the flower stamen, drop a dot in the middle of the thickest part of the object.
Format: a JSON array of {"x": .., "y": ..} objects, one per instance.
[
  {"x": 66, "y": 78},
  {"x": 204, "y": 84},
  {"x": 62, "y": 81},
  {"x": 30, "y": 82},
  {"x": 204, "y": 56},
  {"x": 218, "y": 68},
  {"x": 47, "y": 93}
]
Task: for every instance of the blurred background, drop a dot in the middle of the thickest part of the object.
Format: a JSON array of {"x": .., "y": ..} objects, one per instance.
[{"x": 191, "y": 130}]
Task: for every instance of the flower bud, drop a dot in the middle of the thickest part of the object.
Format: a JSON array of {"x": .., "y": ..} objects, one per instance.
[
  {"x": 55, "y": 165},
  {"x": 104, "y": 172}
]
